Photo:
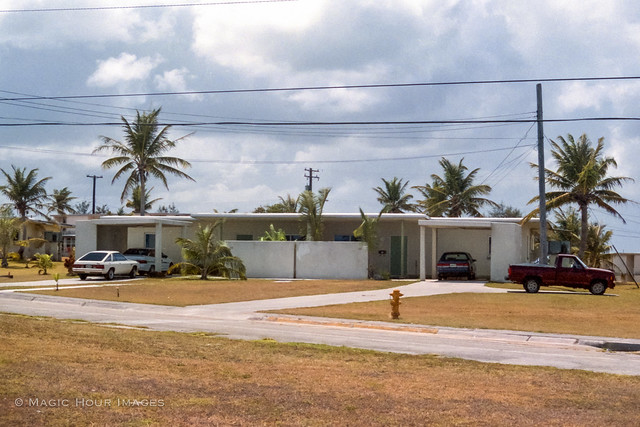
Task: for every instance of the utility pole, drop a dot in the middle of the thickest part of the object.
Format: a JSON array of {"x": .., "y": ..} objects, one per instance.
[
  {"x": 311, "y": 176},
  {"x": 93, "y": 206},
  {"x": 541, "y": 189}
]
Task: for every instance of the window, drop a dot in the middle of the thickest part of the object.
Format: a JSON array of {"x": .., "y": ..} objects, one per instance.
[
  {"x": 149, "y": 240},
  {"x": 344, "y": 238}
]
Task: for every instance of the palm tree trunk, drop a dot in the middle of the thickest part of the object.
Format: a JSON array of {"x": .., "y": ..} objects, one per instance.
[
  {"x": 584, "y": 230},
  {"x": 143, "y": 202}
]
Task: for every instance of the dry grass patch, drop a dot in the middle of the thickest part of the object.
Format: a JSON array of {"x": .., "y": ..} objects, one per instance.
[
  {"x": 204, "y": 380},
  {"x": 573, "y": 313},
  {"x": 183, "y": 292},
  {"x": 22, "y": 274}
]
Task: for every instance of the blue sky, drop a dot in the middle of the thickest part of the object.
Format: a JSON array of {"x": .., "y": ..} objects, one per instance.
[{"x": 309, "y": 43}]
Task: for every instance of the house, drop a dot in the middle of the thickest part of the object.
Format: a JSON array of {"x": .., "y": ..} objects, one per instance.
[
  {"x": 409, "y": 243},
  {"x": 42, "y": 237},
  {"x": 68, "y": 230},
  {"x": 626, "y": 266}
]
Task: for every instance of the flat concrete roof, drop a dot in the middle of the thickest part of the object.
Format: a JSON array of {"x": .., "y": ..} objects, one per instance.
[
  {"x": 325, "y": 216},
  {"x": 143, "y": 220},
  {"x": 469, "y": 222}
]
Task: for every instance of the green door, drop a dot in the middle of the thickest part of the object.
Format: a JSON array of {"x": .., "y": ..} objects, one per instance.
[{"x": 398, "y": 256}]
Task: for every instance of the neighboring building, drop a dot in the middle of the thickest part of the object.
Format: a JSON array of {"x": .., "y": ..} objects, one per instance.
[
  {"x": 626, "y": 266},
  {"x": 44, "y": 237},
  {"x": 68, "y": 230},
  {"x": 409, "y": 243}
]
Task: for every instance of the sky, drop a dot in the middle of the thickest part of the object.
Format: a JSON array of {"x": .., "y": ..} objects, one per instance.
[{"x": 68, "y": 76}]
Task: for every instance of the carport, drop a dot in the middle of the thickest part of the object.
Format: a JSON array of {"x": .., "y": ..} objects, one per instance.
[
  {"x": 495, "y": 242},
  {"x": 119, "y": 232}
]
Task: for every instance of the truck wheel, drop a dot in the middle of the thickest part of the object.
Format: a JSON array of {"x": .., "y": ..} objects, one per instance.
[
  {"x": 531, "y": 285},
  {"x": 598, "y": 288}
]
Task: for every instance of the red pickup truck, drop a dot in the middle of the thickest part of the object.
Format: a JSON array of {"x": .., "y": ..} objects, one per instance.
[{"x": 568, "y": 270}]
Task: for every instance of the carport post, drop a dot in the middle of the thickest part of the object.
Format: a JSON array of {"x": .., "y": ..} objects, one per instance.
[
  {"x": 158, "y": 247},
  {"x": 423, "y": 267},
  {"x": 434, "y": 254}
]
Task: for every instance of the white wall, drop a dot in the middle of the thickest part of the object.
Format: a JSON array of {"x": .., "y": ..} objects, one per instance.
[
  {"x": 265, "y": 259},
  {"x": 332, "y": 260},
  {"x": 86, "y": 237},
  {"x": 302, "y": 260},
  {"x": 506, "y": 244}
]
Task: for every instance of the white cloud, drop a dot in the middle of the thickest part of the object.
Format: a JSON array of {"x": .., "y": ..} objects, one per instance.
[
  {"x": 125, "y": 68},
  {"x": 173, "y": 80}
]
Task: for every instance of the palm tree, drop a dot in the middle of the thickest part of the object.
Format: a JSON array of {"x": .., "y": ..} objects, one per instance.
[
  {"x": 9, "y": 227},
  {"x": 598, "y": 247},
  {"x": 311, "y": 207},
  {"x": 367, "y": 231},
  {"x": 25, "y": 191},
  {"x": 134, "y": 203},
  {"x": 582, "y": 179},
  {"x": 60, "y": 202},
  {"x": 142, "y": 155},
  {"x": 286, "y": 205},
  {"x": 566, "y": 228},
  {"x": 454, "y": 194},
  {"x": 209, "y": 255},
  {"x": 392, "y": 196}
]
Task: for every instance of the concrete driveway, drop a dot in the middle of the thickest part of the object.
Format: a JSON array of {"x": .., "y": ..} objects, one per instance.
[{"x": 243, "y": 320}]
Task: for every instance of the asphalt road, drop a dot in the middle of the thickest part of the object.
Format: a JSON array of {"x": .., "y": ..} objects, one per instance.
[{"x": 244, "y": 320}]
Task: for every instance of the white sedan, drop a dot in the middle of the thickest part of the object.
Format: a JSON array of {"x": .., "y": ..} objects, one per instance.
[{"x": 104, "y": 263}]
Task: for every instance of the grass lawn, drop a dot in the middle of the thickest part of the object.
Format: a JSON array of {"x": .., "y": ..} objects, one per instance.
[
  {"x": 573, "y": 313},
  {"x": 141, "y": 378},
  {"x": 22, "y": 274},
  {"x": 179, "y": 291}
]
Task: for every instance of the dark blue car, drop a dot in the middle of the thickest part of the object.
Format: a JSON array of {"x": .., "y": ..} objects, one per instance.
[{"x": 456, "y": 264}]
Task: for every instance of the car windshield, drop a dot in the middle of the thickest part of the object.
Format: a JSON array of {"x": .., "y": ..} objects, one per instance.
[
  {"x": 455, "y": 257},
  {"x": 134, "y": 252},
  {"x": 93, "y": 256}
]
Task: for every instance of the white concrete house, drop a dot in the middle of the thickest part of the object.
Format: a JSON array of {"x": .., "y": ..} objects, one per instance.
[{"x": 409, "y": 244}]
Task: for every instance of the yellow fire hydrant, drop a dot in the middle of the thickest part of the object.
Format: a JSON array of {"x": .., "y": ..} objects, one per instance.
[{"x": 395, "y": 304}]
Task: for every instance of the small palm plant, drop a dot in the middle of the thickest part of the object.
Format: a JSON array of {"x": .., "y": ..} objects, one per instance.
[
  {"x": 56, "y": 277},
  {"x": 368, "y": 233},
  {"x": 209, "y": 256},
  {"x": 43, "y": 261},
  {"x": 273, "y": 235}
]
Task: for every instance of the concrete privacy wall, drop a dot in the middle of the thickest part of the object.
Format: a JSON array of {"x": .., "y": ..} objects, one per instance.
[
  {"x": 506, "y": 249},
  {"x": 302, "y": 260}
]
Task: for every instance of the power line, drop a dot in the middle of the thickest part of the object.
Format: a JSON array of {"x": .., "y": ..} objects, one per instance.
[
  {"x": 280, "y": 162},
  {"x": 305, "y": 88},
  {"x": 350, "y": 123},
  {"x": 149, "y": 6}
]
